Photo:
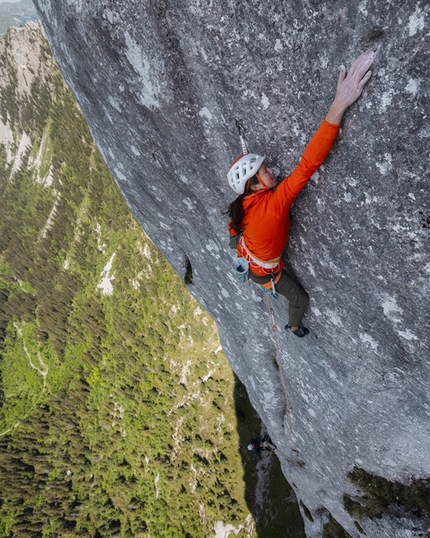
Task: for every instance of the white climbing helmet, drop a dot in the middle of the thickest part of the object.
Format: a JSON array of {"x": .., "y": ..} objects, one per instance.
[
  {"x": 250, "y": 447},
  {"x": 243, "y": 168}
]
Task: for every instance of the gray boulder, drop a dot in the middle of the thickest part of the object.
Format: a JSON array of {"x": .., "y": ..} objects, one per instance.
[{"x": 161, "y": 84}]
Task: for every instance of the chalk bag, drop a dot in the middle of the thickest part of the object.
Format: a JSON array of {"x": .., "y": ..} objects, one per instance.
[{"x": 240, "y": 268}]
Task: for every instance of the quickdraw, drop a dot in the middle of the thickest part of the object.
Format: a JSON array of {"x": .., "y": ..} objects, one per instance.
[
  {"x": 241, "y": 129},
  {"x": 271, "y": 285},
  {"x": 271, "y": 267}
]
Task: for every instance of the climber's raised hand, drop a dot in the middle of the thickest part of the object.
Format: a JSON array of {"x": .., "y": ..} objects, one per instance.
[{"x": 349, "y": 87}]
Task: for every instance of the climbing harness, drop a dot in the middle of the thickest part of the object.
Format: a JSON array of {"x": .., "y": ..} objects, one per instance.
[
  {"x": 246, "y": 260},
  {"x": 272, "y": 268},
  {"x": 296, "y": 461},
  {"x": 273, "y": 265}
]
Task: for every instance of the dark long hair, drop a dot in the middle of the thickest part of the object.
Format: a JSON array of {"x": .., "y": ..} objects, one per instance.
[{"x": 235, "y": 209}]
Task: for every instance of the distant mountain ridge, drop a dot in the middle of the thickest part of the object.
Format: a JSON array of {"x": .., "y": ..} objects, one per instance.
[{"x": 16, "y": 14}]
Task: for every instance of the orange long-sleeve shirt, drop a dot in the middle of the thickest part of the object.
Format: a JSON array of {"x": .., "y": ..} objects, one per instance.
[{"x": 266, "y": 223}]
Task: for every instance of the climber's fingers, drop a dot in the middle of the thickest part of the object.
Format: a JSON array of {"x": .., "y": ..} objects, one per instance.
[
  {"x": 349, "y": 87},
  {"x": 342, "y": 74},
  {"x": 361, "y": 65}
]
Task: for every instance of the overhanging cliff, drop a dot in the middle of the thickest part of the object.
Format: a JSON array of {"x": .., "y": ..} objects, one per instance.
[{"x": 161, "y": 85}]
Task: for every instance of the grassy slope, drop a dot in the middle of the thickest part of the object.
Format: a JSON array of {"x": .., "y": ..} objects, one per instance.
[{"x": 118, "y": 411}]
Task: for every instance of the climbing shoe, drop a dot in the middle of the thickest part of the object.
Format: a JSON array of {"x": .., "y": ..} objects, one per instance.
[{"x": 301, "y": 331}]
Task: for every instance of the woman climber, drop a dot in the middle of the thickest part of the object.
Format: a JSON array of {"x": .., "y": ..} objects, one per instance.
[{"x": 260, "y": 222}]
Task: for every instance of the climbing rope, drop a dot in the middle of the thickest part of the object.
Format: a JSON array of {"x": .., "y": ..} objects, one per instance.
[
  {"x": 297, "y": 461},
  {"x": 242, "y": 135}
]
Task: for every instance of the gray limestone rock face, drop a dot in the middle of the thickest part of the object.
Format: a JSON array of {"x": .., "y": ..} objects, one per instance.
[{"x": 161, "y": 84}]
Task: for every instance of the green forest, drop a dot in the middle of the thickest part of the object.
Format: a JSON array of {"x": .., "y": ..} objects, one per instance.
[{"x": 119, "y": 413}]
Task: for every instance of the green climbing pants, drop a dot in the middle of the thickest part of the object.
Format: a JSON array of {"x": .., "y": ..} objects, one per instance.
[{"x": 293, "y": 291}]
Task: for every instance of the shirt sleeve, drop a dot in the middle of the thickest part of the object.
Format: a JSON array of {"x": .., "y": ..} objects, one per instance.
[{"x": 314, "y": 155}]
